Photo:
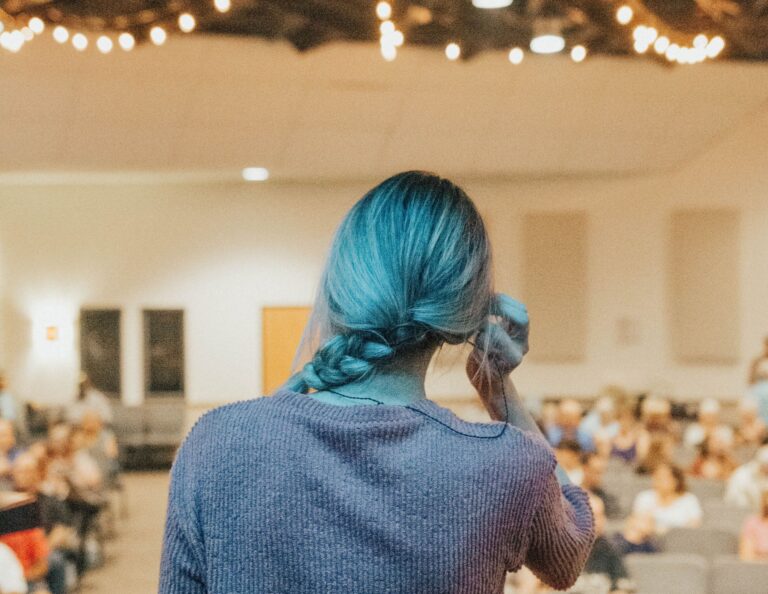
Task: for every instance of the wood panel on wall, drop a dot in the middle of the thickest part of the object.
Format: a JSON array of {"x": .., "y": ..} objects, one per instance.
[
  {"x": 703, "y": 286},
  {"x": 555, "y": 285},
  {"x": 282, "y": 328}
]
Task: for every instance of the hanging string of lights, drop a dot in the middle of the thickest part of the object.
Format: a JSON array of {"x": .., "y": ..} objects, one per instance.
[
  {"x": 648, "y": 32},
  {"x": 17, "y": 31},
  {"x": 540, "y": 34}
]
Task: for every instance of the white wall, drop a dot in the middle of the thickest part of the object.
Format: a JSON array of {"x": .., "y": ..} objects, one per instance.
[{"x": 222, "y": 252}]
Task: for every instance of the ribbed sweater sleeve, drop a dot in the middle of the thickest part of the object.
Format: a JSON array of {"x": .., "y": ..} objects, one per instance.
[
  {"x": 182, "y": 565},
  {"x": 562, "y": 534}
]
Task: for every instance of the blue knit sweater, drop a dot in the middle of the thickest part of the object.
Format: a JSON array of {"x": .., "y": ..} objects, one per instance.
[{"x": 287, "y": 494}]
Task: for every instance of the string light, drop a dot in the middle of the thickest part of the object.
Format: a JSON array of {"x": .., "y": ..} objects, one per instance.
[
  {"x": 80, "y": 42},
  {"x": 187, "y": 22},
  {"x": 60, "y": 34},
  {"x": 222, "y": 5},
  {"x": 715, "y": 46},
  {"x": 158, "y": 35},
  {"x": 578, "y": 53},
  {"x": 624, "y": 14},
  {"x": 661, "y": 44},
  {"x": 516, "y": 55},
  {"x": 384, "y": 10},
  {"x": 104, "y": 44},
  {"x": 452, "y": 51},
  {"x": 27, "y": 33},
  {"x": 126, "y": 41},
  {"x": 37, "y": 25},
  {"x": 388, "y": 52}
]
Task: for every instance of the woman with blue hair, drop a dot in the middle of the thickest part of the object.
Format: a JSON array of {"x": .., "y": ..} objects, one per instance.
[{"x": 348, "y": 478}]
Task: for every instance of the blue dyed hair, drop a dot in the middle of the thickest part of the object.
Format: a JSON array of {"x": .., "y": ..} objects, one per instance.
[{"x": 409, "y": 268}]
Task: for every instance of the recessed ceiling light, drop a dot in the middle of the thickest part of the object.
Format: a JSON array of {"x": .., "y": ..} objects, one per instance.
[{"x": 255, "y": 174}]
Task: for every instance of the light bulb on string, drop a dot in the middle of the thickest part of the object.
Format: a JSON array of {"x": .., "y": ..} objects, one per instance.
[
  {"x": 28, "y": 34},
  {"x": 516, "y": 55},
  {"x": 672, "y": 51},
  {"x": 384, "y": 10},
  {"x": 222, "y": 5},
  {"x": 661, "y": 44},
  {"x": 700, "y": 41},
  {"x": 187, "y": 22},
  {"x": 104, "y": 44},
  {"x": 126, "y": 41},
  {"x": 452, "y": 51},
  {"x": 624, "y": 15},
  {"x": 578, "y": 53},
  {"x": 80, "y": 42},
  {"x": 715, "y": 46},
  {"x": 60, "y": 34},
  {"x": 158, "y": 35},
  {"x": 388, "y": 52},
  {"x": 37, "y": 25}
]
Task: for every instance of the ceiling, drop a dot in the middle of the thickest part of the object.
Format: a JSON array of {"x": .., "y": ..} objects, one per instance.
[{"x": 210, "y": 105}]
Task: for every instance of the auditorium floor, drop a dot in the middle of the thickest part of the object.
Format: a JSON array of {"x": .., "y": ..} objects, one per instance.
[{"x": 133, "y": 556}]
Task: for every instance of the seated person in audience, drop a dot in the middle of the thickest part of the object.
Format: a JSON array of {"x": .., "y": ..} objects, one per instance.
[
  {"x": 751, "y": 430},
  {"x": 714, "y": 460},
  {"x": 100, "y": 443},
  {"x": 568, "y": 426},
  {"x": 31, "y": 548},
  {"x": 657, "y": 452},
  {"x": 624, "y": 444},
  {"x": 753, "y": 544},
  {"x": 57, "y": 519},
  {"x": 12, "y": 410},
  {"x": 8, "y": 452},
  {"x": 638, "y": 536},
  {"x": 604, "y": 560},
  {"x": 669, "y": 501},
  {"x": 600, "y": 425},
  {"x": 593, "y": 466},
  {"x": 708, "y": 422},
  {"x": 657, "y": 426},
  {"x": 88, "y": 397},
  {"x": 568, "y": 454},
  {"x": 748, "y": 481},
  {"x": 11, "y": 572}
]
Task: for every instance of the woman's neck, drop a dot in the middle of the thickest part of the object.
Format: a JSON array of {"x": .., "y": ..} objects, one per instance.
[{"x": 399, "y": 383}]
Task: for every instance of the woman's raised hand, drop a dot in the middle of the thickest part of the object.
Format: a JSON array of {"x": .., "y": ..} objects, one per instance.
[{"x": 507, "y": 343}]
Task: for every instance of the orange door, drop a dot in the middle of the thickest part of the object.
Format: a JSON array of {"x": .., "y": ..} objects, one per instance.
[{"x": 281, "y": 333}]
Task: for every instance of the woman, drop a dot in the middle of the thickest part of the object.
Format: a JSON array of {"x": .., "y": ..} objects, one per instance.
[
  {"x": 753, "y": 544},
  {"x": 365, "y": 485},
  {"x": 669, "y": 502}
]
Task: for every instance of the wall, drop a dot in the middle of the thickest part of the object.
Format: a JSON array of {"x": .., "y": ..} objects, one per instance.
[{"x": 222, "y": 251}]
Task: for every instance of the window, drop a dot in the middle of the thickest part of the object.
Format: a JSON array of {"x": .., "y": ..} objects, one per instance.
[
  {"x": 164, "y": 353},
  {"x": 100, "y": 349}
]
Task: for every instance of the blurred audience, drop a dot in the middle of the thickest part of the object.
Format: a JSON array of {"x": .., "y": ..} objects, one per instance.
[
  {"x": 8, "y": 452},
  {"x": 12, "y": 579},
  {"x": 753, "y": 544},
  {"x": 568, "y": 454},
  {"x": 593, "y": 471},
  {"x": 748, "y": 481},
  {"x": 708, "y": 421},
  {"x": 624, "y": 444},
  {"x": 669, "y": 502},
  {"x": 568, "y": 426},
  {"x": 88, "y": 398},
  {"x": 714, "y": 460},
  {"x": 751, "y": 429}
]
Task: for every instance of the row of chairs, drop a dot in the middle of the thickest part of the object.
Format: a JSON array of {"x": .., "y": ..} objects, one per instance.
[{"x": 688, "y": 573}]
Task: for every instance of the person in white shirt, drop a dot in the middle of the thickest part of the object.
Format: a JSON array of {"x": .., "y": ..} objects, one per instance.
[
  {"x": 11, "y": 573},
  {"x": 748, "y": 481},
  {"x": 669, "y": 502}
]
